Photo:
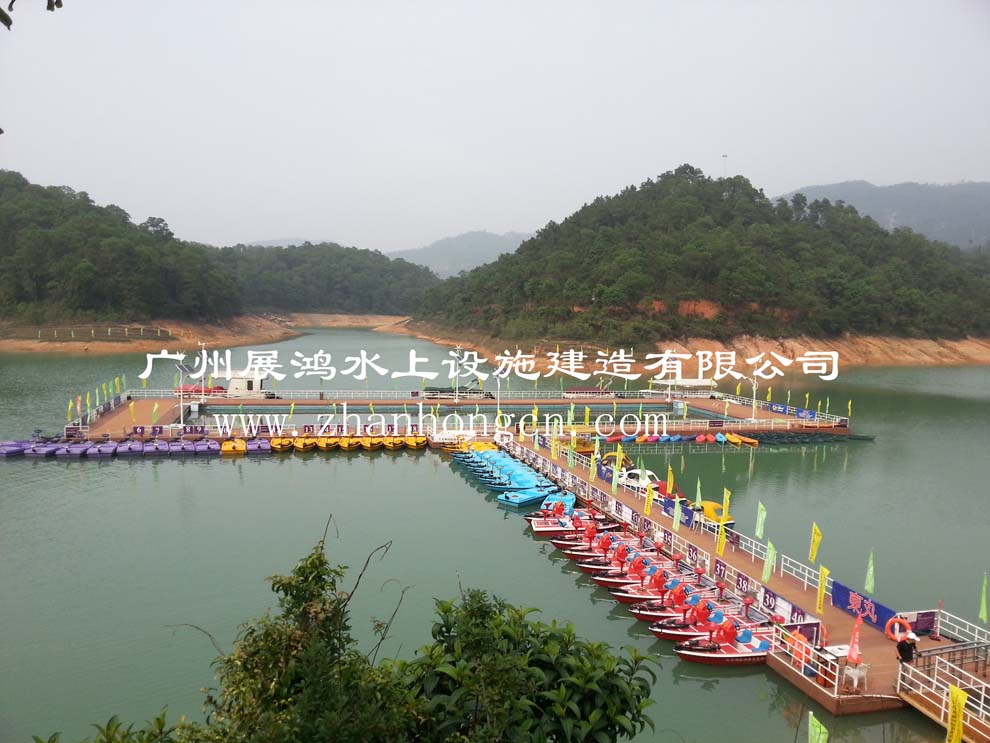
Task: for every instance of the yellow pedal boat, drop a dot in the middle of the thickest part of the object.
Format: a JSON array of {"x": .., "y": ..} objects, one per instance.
[
  {"x": 281, "y": 444},
  {"x": 233, "y": 446},
  {"x": 346, "y": 443},
  {"x": 304, "y": 443},
  {"x": 415, "y": 442},
  {"x": 327, "y": 443},
  {"x": 370, "y": 443},
  {"x": 393, "y": 443}
]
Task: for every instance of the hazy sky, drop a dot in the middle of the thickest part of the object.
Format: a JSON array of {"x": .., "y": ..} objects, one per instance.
[{"x": 388, "y": 125}]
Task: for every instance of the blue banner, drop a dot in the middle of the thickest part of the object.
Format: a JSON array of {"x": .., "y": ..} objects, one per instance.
[
  {"x": 687, "y": 513},
  {"x": 857, "y": 604},
  {"x": 776, "y": 407},
  {"x": 807, "y": 414}
]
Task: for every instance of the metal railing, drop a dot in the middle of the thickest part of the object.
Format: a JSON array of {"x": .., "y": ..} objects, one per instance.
[
  {"x": 814, "y": 665},
  {"x": 807, "y": 575},
  {"x": 788, "y": 409},
  {"x": 958, "y": 628},
  {"x": 934, "y": 687}
]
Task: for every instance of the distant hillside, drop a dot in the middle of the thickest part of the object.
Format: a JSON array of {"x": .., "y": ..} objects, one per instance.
[
  {"x": 62, "y": 257},
  {"x": 280, "y": 242},
  {"x": 451, "y": 255},
  {"x": 957, "y": 213},
  {"x": 686, "y": 255}
]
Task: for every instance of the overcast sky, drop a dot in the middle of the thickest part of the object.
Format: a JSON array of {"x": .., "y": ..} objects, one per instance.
[{"x": 388, "y": 125}]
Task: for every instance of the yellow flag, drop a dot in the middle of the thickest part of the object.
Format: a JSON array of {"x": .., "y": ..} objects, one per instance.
[
  {"x": 615, "y": 408},
  {"x": 292, "y": 409},
  {"x": 670, "y": 481},
  {"x": 957, "y": 703},
  {"x": 649, "y": 498},
  {"x": 68, "y": 415},
  {"x": 816, "y": 539},
  {"x": 536, "y": 414},
  {"x": 209, "y": 381},
  {"x": 116, "y": 384},
  {"x": 720, "y": 544},
  {"x": 738, "y": 388},
  {"x": 850, "y": 409},
  {"x": 144, "y": 383},
  {"x": 104, "y": 390},
  {"x": 726, "y": 496},
  {"x": 769, "y": 394},
  {"x": 807, "y": 399},
  {"x": 133, "y": 417},
  {"x": 371, "y": 407},
  {"x": 822, "y": 580},
  {"x": 87, "y": 401},
  {"x": 587, "y": 415}
]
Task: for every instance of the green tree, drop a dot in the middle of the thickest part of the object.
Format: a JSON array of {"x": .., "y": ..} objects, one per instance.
[{"x": 490, "y": 674}]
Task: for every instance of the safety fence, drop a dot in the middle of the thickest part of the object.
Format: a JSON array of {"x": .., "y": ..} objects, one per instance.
[
  {"x": 88, "y": 332},
  {"x": 932, "y": 686},
  {"x": 798, "y": 646}
]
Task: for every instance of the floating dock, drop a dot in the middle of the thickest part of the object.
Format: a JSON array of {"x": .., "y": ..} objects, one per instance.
[{"x": 951, "y": 649}]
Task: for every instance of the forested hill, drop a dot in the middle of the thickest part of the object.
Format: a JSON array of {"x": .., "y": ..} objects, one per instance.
[
  {"x": 957, "y": 213},
  {"x": 326, "y": 277},
  {"x": 62, "y": 257},
  {"x": 690, "y": 255}
]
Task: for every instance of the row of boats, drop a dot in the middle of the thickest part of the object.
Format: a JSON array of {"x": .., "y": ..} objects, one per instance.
[
  {"x": 231, "y": 446},
  {"x": 733, "y": 439},
  {"x": 708, "y": 622},
  {"x": 347, "y": 443}
]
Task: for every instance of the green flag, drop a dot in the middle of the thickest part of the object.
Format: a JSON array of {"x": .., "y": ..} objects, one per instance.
[
  {"x": 768, "y": 562},
  {"x": 570, "y": 455},
  {"x": 761, "y": 518},
  {"x": 697, "y": 498},
  {"x": 154, "y": 413},
  {"x": 677, "y": 514},
  {"x": 870, "y": 585},
  {"x": 983, "y": 602},
  {"x": 816, "y": 731},
  {"x": 615, "y": 477}
]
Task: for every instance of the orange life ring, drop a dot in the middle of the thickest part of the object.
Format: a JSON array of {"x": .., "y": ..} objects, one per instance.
[
  {"x": 824, "y": 635},
  {"x": 896, "y": 621}
]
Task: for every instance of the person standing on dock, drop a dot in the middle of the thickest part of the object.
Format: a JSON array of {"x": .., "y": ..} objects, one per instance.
[{"x": 907, "y": 648}]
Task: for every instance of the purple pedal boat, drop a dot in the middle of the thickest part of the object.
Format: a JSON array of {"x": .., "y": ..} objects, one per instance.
[
  {"x": 156, "y": 447},
  {"x": 259, "y": 446},
  {"x": 103, "y": 449},
  {"x": 13, "y": 448},
  {"x": 41, "y": 450},
  {"x": 181, "y": 447},
  {"x": 207, "y": 446},
  {"x": 130, "y": 448},
  {"x": 78, "y": 449}
]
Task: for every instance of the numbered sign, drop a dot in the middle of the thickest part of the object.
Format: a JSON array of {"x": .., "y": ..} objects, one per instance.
[
  {"x": 157, "y": 430},
  {"x": 308, "y": 428},
  {"x": 797, "y": 615},
  {"x": 692, "y": 553},
  {"x": 668, "y": 538},
  {"x": 138, "y": 430},
  {"x": 742, "y": 583},
  {"x": 768, "y": 600},
  {"x": 720, "y": 568}
]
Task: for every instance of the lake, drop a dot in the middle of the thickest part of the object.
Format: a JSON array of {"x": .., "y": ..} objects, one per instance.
[{"x": 99, "y": 558}]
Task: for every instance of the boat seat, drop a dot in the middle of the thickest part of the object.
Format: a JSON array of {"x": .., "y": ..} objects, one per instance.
[
  {"x": 693, "y": 600},
  {"x": 763, "y": 647},
  {"x": 745, "y": 637},
  {"x": 716, "y": 618}
]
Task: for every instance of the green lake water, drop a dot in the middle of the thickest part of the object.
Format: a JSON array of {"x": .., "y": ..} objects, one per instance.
[{"x": 97, "y": 558}]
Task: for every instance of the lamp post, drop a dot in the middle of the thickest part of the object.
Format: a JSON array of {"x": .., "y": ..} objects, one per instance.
[
  {"x": 457, "y": 372},
  {"x": 202, "y": 386},
  {"x": 755, "y": 386}
]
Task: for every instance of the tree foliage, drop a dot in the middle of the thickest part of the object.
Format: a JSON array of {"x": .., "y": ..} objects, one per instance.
[
  {"x": 627, "y": 269},
  {"x": 490, "y": 674},
  {"x": 64, "y": 257}
]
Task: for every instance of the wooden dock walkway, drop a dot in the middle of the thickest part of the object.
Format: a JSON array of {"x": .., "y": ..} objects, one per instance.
[{"x": 879, "y": 692}]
